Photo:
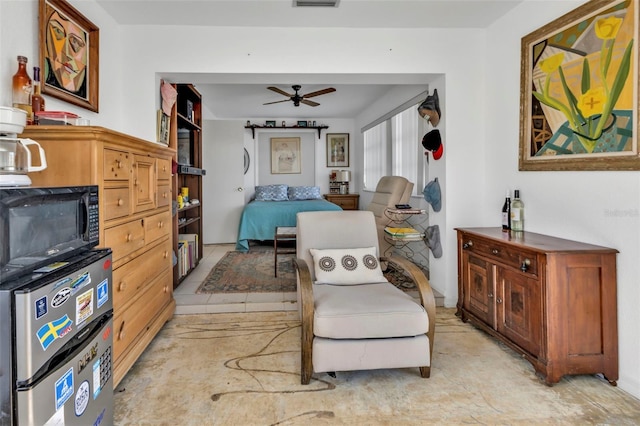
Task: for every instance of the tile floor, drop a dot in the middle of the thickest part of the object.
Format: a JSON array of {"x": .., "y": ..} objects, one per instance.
[{"x": 188, "y": 302}]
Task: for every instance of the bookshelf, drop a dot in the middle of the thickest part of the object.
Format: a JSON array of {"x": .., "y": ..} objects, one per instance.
[{"x": 186, "y": 139}]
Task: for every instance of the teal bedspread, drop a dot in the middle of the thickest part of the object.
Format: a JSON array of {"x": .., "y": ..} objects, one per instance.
[{"x": 260, "y": 218}]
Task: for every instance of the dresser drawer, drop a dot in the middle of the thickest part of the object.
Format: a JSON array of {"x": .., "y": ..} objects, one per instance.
[
  {"x": 117, "y": 165},
  {"x": 117, "y": 203},
  {"x": 130, "y": 323},
  {"x": 164, "y": 169},
  {"x": 124, "y": 239},
  {"x": 511, "y": 256},
  {"x": 132, "y": 277},
  {"x": 346, "y": 204},
  {"x": 345, "y": 201},
  {"x": 164, "y": 194},
  {"x": 157, "y": 226}
]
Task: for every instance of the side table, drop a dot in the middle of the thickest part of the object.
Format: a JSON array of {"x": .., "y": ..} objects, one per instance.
[
  {"x": 283, "y": 234},
  {"x": 346, "y": 201}
]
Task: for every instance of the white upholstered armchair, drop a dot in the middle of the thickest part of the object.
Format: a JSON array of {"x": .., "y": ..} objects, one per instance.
[
  {"x": 352, "y": 317},
  {"x": 390, "y": 190}
]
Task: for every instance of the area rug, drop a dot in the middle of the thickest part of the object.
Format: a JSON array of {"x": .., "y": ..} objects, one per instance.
[
  {"x": 253, "y": 272},
  {"x": 243, "y": 369}
]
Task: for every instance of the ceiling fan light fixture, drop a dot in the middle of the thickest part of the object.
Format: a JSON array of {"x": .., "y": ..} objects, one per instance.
[{"x": 316, "y": 3}]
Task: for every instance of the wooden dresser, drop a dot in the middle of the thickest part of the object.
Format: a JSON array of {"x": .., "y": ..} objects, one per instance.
[
  {"x": 550, "y": 299},
  {"x": 346, "y": 201},
  {"x": 134, "y": 179}
]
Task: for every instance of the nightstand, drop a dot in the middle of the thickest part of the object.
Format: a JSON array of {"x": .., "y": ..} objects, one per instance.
[{"x": 346, "y": 201}]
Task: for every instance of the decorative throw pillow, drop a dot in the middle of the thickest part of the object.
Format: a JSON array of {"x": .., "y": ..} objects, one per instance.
[
  {"x": 271, "y": 193},
  {"x": 347, "y": 266},
  {"x": 304, "y": 192}
]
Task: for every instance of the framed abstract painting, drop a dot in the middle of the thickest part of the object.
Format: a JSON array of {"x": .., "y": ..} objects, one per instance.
[
  {"x": 579, "y": 90},
  {"x": 69, "y": 50}
]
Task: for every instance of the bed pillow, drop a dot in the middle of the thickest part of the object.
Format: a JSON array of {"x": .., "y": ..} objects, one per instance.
[
  {"x": 304, "y": 193},
  {"x": 347, "y": 266},
  {"x": 271, "y": 193}
]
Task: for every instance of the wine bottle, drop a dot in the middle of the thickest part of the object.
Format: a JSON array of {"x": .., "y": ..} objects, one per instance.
[
  {"x": 517, "y": 212},
  {"x": 37, "y": 101},
  {"x": 506, "y": 213},
  {"x": 21, "y": 87}
]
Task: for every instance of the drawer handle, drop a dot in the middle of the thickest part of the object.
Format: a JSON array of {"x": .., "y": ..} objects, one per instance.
[
  {"x": 498, "y": 300},
  {"x": 120, "y": 201},
  {"x": 119, "y": 164},
  {"x": 129, "y": 238},
  {"x": 490, "y": 295},
  {"x": 122, "y": 334},
  {"x": 467, "y": 244},
  {"x": 122, "y": 286},
  {"x": 495, "y": 251},
  {"x": 160, "y": 224},
  {"x": 525, "y": 265},
  {"x": 165, "y": 254}
]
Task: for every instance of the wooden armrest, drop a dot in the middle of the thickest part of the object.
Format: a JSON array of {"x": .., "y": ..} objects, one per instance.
[
  {"x": 305, "y": 290},
  {"x": 427, "y": 298}
]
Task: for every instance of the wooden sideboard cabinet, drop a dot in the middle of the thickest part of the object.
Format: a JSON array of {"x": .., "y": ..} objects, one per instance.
[
  {"x": 552, "y": 300},
  {"x": 134, "y": 179},
  {"x": 346, "y": 201}
]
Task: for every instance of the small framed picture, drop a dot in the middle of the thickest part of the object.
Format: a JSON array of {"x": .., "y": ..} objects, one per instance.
[
  {"x": 302, "y": 124},
  {"x": 270, "y": 123},
  {"x": 285, "y": 156},
  {"x": 162, "y": 133},
  {"x": 338, "y": 150}
]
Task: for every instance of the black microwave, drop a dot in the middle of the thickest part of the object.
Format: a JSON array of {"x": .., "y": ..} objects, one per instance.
[{"x": 41, "y": 226}]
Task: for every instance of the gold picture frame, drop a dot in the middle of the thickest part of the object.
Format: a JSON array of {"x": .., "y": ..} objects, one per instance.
[
  {"x": 69, "y": 54},
  {"x": 579, "y": 90},
  {"x": 337, "y": 149},
  {"x": 285, "y": 156}
]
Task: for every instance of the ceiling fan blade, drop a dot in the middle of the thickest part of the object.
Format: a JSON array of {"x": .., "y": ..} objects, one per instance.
[
  {"x": 277, "y": 102},
  {"x": 310, "y": 103},
  {"x": 319, "y": 92},
  {"x": 282, "y": 92}
]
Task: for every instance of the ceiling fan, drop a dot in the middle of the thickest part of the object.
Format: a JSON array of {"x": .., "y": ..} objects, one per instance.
[{"x": 298, "y": 98}]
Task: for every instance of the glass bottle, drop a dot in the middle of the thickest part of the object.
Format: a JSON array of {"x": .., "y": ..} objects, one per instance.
[
  {"x": 506, "y": 213},
  {"x": 21, "y": 93},
  {"x": 37, "y": 101},
  {"x": 517, "y": 212}
]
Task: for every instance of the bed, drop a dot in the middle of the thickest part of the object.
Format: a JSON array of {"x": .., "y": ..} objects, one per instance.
[{"x": 260, "y": 218}]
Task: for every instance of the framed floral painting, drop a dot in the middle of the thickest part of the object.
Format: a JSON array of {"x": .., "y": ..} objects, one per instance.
[
  {"x": 69, "y": 49},
  {"x": 579, "y": 86}
]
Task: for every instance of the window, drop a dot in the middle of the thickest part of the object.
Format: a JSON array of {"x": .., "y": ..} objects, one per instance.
[{"x": 393, "y": 147}]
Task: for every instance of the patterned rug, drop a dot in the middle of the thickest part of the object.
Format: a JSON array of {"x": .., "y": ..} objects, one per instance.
[{"x": 253, "y": 272}]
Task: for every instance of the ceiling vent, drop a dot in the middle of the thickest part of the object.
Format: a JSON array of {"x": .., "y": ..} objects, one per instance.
[{"x": 315, "y": 3}]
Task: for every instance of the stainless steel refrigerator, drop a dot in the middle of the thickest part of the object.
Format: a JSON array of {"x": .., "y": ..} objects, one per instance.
[{"x": 56, "y": 344}]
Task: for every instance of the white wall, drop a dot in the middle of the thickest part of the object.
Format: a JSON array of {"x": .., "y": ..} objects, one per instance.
[
  {"x": 478, "y": 75},
  {"x": 314, "y": 167},
  {"x": 19, "y": 36},
  {"x": 595, "y": 207}
]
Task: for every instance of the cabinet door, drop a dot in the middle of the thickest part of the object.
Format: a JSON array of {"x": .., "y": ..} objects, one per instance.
[
  {"x": 519, "y": 309},
  {"x": 144, "y": 183},
  {"x": 479, "y": 288}
]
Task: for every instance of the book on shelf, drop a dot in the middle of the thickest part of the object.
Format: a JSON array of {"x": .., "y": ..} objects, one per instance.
[
  {"x": 403, "y": 232},
  {"x": 187, "y": 253},
  {"x": 406, "y": 211}
]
